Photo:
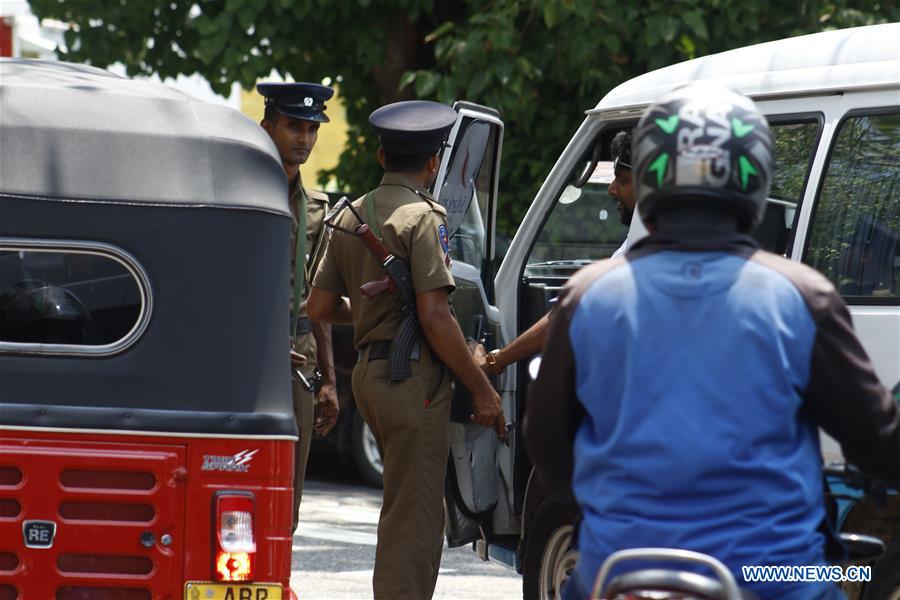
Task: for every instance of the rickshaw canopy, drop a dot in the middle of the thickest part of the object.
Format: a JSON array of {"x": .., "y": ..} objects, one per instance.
[
  {"x": 78, "y": 132},
  {"x": 189, "y": 200}
]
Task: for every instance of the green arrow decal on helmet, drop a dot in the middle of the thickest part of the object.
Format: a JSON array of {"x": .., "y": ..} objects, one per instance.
[
  {"x": 668, "y": 125},
  {"x": 747, "y": 170},
  {"x": 659, "y": 165},
  {"x": 740, "y": 128}
]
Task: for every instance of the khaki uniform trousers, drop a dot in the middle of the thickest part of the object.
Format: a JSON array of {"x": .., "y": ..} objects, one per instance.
[
  {"x": 410, "y": 421},
  {"x": 304, "y": 414}
]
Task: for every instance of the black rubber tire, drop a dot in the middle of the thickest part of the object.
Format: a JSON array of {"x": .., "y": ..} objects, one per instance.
[
  {"x": 885, "y": 582},
  {"x": 549, "y": 521},
  {"x": 370, "y": 470}
]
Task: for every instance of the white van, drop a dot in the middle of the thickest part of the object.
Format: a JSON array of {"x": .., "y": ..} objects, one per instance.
[{"x": 833, "y": 103}]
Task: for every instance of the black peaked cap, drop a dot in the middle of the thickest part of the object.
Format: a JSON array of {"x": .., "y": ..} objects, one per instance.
[
  {"x": 298, "y": 100},
  {"x": 413, "y": 126}
]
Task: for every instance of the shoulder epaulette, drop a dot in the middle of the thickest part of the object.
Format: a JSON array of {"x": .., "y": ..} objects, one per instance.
[
  {"x": 437, "y": 207},
  {"x": 316, "y": 195},
  {"x": 434, "y": 204}
]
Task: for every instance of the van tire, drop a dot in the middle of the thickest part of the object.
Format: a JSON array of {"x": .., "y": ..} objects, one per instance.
[
  {"x": 885, "y": 584},
  {"x": 549, "y": 557},
  {"x": 364, "y": 452}
]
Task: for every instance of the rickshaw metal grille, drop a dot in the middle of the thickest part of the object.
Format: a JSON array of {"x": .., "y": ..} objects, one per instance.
[
  {"x": 10, "y": 476},
  {"x": 107, "y": 480},
  {"x": 100, "y": 593},
  {"x": 107, "y": 511},
  {"x": 9, "y": 509},
  {"x": 8, "y": 561},
  {"x": 105, "y": 565}
]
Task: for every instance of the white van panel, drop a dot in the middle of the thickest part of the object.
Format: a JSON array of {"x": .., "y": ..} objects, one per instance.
[
  {"x": 805, "y": 65},
  {"x": 878, "y": 328}
]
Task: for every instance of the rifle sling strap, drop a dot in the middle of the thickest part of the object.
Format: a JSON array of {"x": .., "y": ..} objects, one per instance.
[
  {"x": 299, "y": 259},
  {"x": 370, "y": 215}
]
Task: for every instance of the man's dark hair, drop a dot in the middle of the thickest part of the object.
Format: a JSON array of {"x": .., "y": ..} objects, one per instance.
[
  {"x": 405, "y": 163},
  {"x": 620, "y": 148},
  {"x": 271, "y": 114}
]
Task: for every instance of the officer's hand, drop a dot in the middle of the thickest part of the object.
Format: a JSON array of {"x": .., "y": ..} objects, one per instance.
[
  {"x": 327, "y": 409},
  {"x": 489, "y": 413},
  {"x": 297, "y": 359}
]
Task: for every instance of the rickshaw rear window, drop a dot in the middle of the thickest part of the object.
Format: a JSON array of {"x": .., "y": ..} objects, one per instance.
[{"x": 61, "y": 300}]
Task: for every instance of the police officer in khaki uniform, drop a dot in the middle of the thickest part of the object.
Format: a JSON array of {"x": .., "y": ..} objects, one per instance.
[
  {"x": 409, "y": 418},
  {"x": 292, "y": 116}
]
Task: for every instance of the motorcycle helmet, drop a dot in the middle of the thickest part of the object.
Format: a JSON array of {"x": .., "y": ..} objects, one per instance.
[
  {"x": 35, "y": 311},
  {"x": 703, "y": 145}
]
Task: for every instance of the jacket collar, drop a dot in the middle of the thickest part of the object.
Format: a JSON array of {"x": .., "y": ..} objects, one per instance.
[
  {"x": 700, "y": 240},
  {"x": 405, "y": 181}
]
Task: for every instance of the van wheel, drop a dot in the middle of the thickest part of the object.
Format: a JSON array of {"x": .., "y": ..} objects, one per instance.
[
  {"x": 549, "y": 556},
  {"x": 885, "y": 584},
  {"x": 366, "y": 457}
]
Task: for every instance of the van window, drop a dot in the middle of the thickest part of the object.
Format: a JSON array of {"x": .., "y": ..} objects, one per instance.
[
  {"x": 467, "y": 187},
  {"x": 83, "y": 300},
  {"x": 583, "y": 226},
  {"x": 856, "y": 222},
  {"x": 794, "y": 145},
  {"x": 468, "y": 243}
]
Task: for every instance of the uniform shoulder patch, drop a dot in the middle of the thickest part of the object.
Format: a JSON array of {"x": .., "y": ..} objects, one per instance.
[{"x": 444, "y": 238}]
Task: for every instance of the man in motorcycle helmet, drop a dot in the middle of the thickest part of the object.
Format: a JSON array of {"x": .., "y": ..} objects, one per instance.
[{"x": 690, "y": 375}]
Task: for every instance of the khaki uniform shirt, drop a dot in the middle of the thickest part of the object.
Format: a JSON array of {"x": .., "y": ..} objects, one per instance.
[
  {"x": 413, "y": 227},
  {"x": 316, "y": 238}
]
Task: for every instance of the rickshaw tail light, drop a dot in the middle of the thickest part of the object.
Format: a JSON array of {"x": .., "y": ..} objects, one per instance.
[
  {"x": 234, "y": 534},
  {"x": 234, "y": 566}
]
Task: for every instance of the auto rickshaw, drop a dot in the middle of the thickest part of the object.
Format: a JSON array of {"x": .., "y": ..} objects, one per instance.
[{"x": 146, "y": 425}]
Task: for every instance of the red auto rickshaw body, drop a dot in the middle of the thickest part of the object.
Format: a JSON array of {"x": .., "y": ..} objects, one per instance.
[
  {"x": 146, "y": 424},
  {"x": 130, "y": 519}
]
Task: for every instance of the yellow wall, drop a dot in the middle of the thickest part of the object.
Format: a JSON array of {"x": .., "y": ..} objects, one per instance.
[{"x": 332, "y": 136}]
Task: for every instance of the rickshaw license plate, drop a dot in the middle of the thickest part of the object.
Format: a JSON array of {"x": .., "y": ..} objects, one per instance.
[{"x": 199, "y": 590}]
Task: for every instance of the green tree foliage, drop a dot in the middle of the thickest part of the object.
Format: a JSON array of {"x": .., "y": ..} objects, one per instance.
[{"x": 540, "y": 62}]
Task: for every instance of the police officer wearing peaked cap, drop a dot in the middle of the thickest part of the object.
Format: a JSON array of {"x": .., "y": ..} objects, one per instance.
[
  {"x": 292, "y": 116},
  {"x": 409, "y": 418}
]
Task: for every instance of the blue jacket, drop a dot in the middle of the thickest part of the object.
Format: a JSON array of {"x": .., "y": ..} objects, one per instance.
[{"x": 694, "y": 376}]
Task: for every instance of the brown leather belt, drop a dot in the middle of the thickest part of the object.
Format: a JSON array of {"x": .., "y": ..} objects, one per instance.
[{"x": 381, "y": 350}]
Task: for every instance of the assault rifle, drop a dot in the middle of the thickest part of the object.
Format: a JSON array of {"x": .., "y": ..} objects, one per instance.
[{"x": 397, "y": 280}]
